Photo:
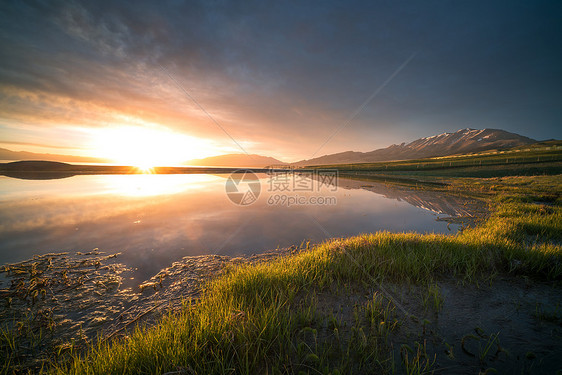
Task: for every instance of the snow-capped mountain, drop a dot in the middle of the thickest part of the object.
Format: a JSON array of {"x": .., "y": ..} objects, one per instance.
[{"x": 460, "y": 142}]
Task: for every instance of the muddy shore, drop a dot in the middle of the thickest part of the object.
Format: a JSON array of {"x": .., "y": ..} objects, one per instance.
[
  {"x": 60, "y": 303},
  {"x": 63, "y": 301}
]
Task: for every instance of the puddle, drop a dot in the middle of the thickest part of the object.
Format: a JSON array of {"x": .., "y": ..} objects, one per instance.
[{"x": 512, "y": 326}]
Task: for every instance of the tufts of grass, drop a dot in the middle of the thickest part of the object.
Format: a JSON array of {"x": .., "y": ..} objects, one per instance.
[
  {"x": 433, "y": 298},
  {"x": 552, "y": 314},
  {"x": 417, "y": 362}
]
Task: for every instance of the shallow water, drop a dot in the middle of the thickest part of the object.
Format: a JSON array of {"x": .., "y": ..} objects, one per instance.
[
  {"x": 512, "y": 326},
  {"x": 154, "y": 220}
]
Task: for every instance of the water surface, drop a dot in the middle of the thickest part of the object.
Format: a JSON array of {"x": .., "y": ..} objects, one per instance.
[{"x": 157, "y": 219}]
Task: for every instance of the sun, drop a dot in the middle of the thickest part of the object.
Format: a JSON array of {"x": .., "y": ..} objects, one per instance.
[{"x": 146, "y": 147}]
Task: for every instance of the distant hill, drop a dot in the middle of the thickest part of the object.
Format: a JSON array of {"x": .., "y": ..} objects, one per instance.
[
  {"x": 236, "y": 160},
  {"x": 35, "y": 165},
  {"x": 36, "y": 170},
  {"x": 6, "y": 154},
  {"x": 463, "y": 141}
]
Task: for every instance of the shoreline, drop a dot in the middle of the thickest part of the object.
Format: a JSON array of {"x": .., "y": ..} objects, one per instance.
[
  {"x": 53, "y": 170},
  {"x": 82, "y": 298}
]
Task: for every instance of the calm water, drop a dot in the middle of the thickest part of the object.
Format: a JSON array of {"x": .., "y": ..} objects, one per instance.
[{"x": 156, "y": 219}]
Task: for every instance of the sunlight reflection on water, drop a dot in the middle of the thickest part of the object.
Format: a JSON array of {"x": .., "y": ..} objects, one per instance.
[{"x": 147, "y": 185}]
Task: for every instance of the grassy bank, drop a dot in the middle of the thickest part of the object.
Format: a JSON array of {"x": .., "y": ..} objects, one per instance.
[
  {"x": 543, "y": 159},
  {"x": 336, "y": 308}
]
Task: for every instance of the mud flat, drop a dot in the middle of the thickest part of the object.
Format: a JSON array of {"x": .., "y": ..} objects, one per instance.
[{"x": 61, "y": 302}]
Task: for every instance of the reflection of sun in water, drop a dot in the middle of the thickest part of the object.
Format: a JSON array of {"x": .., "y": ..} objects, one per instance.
[
  {"x": 142, "y": 185},
  {"x": 147, "y": 147}
]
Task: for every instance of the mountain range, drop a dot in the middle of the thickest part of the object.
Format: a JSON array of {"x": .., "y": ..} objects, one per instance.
[
  {"x": 235, "y": 160},
  {"x": 463, "y": 141}
]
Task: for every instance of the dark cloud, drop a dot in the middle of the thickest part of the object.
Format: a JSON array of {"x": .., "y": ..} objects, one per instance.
[{"x": 287, "y": 72}]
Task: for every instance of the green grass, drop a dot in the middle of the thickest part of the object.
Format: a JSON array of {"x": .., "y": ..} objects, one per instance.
[
  {"x": 528, "y": 161},
  {"x": 271, "y": 318}
]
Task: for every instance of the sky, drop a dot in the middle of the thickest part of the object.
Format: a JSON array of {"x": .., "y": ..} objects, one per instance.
[{"x": 286, "y": 79}]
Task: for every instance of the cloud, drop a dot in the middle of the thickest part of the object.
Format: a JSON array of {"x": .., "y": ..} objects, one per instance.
[
  {"x": 283, "y": 74},
  {"x": 41, "y": 145}
]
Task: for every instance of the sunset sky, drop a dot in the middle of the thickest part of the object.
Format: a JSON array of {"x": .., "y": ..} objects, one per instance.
[{"x": 95, "y": 78}]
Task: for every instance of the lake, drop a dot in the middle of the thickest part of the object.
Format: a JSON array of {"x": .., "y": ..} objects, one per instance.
[{"x": 154, "y": 220}]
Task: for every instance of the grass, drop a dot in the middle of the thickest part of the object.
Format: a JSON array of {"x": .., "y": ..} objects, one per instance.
[
  {"x": 270, "y": 318},
  {"x": 514, "y": 162},
  {"x": 416, "y": 362},
  {"x": 432, "y": 298}
]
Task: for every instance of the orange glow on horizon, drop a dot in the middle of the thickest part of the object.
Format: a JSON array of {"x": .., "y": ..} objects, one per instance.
[{"x": 148, "y": 147}]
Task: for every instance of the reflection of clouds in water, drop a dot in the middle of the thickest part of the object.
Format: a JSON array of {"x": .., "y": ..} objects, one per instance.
[
  {"x": 46, "y": 213},
  {"x": 164, "y": 223},
  {"x": 191, "y": 217},
  {"x": 93, "y": 185},
  {"x": 106, "y": 197}
]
